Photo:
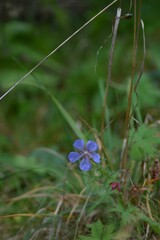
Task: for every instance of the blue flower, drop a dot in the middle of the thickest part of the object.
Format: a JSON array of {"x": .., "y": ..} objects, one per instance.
[{"x": 84, "y": 152}]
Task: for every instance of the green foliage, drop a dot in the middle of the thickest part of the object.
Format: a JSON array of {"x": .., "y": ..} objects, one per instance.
[
  {"x": 147, "y": 93},
  {"x": 64, "y": 113},
  {"x": 152, "y": 223},
  {"x": 99, "y": 231},
  {"x": 143, "y": 142},
  {"x": 128, "y": 214}
]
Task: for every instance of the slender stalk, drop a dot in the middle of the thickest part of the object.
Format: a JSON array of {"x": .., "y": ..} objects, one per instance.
[
  {"x": 81, "y": 214},
  {"x": 131, "y": 88},
  {"x": 115, "y": 29},
  {"x": 137, "y": 23}
]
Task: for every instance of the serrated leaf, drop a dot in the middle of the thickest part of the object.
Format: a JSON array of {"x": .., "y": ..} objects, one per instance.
[
  {"x": 97, "y": 229},
  {"x": 99, "y": 232},
  {"x": 128, "y": 214}
]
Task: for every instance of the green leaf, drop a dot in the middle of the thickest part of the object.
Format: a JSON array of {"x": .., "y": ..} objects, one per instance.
[
  {"x": 129, "y": 214},
  {"x": 148, "y": 93},
  {"x": 63, "y": 112},
  {"x": 143, "y": 142},
  {"x": 68, "y": 118},
  {"x": 99, "y": 232},
  {"x": 153, "y": 224}
]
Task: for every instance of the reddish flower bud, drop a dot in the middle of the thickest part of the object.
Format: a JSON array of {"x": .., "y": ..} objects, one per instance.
[{"x": 115, "y": 185}]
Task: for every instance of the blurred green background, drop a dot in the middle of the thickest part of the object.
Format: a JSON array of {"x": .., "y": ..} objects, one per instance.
[{"x": 32, "y": 29}]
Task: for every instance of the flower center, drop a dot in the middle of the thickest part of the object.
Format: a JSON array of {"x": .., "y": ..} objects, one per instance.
[{"x": 86, "y": 153}]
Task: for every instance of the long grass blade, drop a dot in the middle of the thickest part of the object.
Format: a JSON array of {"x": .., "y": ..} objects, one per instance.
[
  {"x": 63, "y": 112},
  {"x": 57, "y": 48}
]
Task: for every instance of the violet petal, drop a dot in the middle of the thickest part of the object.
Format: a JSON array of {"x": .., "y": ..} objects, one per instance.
[
  {"x": 74, "y": 156},
  {"x": 91, "y": 146},
  {"x": 85, "y": 164},
  {"x": 79, "y": 144},
  {"x": 95, "y": 157}
]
